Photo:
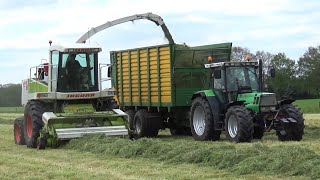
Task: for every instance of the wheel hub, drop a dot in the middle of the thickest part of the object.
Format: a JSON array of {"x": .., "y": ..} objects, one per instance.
[
  {"x": 232, "y": 126},
  {"x": 17, "y": 133},
  {"x": 138, "y": 126},
  {"x": 29, "y": 125},
  {"x": 199, "y": 120}
]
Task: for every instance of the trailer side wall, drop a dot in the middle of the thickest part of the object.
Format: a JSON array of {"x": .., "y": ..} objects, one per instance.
[{"x": 143, "y": 76}]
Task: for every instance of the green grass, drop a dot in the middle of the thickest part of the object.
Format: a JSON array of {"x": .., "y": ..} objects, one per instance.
[
  {"x": 261, "y": 158},
  {"x": 167, "y": 157},
  {"x": 8, "y": 118},
  {"x": 309, "y": 105},
  {"x": 18, "y": 109},
  {"x": 69, "y": 162}
]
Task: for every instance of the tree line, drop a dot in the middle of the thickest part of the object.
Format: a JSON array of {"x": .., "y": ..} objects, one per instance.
[
  {"x": 10, "y": 95},
  {"x": 299, "y": 78}
]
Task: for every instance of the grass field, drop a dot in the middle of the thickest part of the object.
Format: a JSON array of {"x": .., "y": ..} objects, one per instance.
[
  {"x": 309, "y": 105},
  {"x": 19, "y": 109},
  {"x": 167, "y": 157}
]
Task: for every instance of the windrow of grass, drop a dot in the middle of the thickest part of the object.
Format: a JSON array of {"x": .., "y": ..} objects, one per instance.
[{"x": 290, "y": 159}]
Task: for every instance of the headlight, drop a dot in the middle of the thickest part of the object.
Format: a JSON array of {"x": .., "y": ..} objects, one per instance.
[
  {"x": 268, "y": 109},
  {"x": 264, "y": 109},
  {"x": 272, "y": 108}
]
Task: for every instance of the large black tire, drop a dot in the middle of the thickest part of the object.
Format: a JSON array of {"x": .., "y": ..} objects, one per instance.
[
  {"x": 131, "y": 114},
  {"x": 294, "y": 131},
  {"x": 202, "y": 122},
  {"x": 143, "y": 125},
  {"x": 239, "y": 124},
  {"x": 33, "y": 122},
  {"x": 18, "y": 131}
]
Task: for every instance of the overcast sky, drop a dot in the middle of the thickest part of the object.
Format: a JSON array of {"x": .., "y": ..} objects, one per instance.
[{"x": 26, "y": 26}]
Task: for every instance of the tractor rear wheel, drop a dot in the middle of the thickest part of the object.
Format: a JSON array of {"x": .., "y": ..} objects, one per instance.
[
  {"x": 143, "y": 125},
  {"x": 33, "y": 122},
  {"x": 202, "y": 122},
  {"x": 18, "y": 131},
  {"x": 239, "y": 124},
  {"x": 292, "y": 131}
]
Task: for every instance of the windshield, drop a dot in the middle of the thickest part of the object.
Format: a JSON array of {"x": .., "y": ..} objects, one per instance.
[
  {"x": 77, "y": 72},
  {"x": 244, "y": 76}
]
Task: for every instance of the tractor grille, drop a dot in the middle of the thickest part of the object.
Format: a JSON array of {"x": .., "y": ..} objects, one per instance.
[{"x": 268, "y": 100}]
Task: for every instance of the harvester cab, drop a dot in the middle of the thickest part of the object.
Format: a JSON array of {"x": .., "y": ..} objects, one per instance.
[
  {"x": 237, "y": 104},
  {"x": 63, "y": 99}
]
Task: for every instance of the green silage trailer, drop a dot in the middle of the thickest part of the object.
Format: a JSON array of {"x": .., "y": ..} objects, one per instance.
[{"x": 155, "y": 84}]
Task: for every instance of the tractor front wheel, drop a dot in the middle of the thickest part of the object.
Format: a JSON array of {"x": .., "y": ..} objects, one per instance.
[
  {"x": 18, "y": 131},
  {"x": 202, "y": 122},
  {"x": 239, "y": 124},
  {"x": 292, "y": 131},
  {"x": 33, "y": 122}
]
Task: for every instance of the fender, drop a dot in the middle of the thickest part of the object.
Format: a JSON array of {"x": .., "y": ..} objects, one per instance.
[
  {"x": 234, "y": 103},
  {"x": 286, "y": 101}
]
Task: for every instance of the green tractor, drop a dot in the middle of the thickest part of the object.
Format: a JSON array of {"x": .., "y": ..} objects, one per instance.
[
  {"x": 236, "y": 104},
  {"x": 64, "y": 99}
]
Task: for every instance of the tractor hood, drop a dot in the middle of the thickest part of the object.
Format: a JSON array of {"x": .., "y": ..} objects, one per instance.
[{"x": 256, "y": 100}]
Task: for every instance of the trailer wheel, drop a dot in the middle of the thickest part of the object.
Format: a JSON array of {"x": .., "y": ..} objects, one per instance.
[
  {"x": 201, "y": 121},
  {"x": 18, "y": 131},
  {"x": 292, "y": 131},
  {"x": 143, "y": 125},
  {"x": 33, "y": 122},
  {"x": 239, "y": 124}
]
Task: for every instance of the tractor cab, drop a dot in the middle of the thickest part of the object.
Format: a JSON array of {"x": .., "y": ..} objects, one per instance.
[
  {"x": 233, "y": 78},
  {"x": 74, "y": 68}
]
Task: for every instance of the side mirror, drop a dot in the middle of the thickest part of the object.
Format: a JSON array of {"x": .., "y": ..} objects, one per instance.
[
  {"x": 272, "y": 72},
  {"x": 109, "y": 71},
  {"x": 217, "y": 74}
]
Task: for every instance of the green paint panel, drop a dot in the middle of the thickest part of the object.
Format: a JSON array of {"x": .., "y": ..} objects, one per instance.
[
  {"x": 209, "y": 92},
  {"x": 36, "y": 86},
  {"x": 76, "y": 120},
  {"x": 249, "y": 99}
]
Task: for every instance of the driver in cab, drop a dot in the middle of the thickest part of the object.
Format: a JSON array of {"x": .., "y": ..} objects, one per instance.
[{"x": 73, "y": 69}]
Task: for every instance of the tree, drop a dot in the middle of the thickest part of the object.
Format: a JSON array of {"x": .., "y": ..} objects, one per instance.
[
  {"x": 308, "y": 70},
  {"x": 286, "y": 70},
  {"x": 10, "y": 95},
  {"x": 266, "y": 58},
  {"x": 240, "y": 53}
]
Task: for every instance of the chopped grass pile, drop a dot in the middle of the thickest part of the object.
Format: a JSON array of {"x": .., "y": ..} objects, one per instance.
[{"x": 256, "y": 158}]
